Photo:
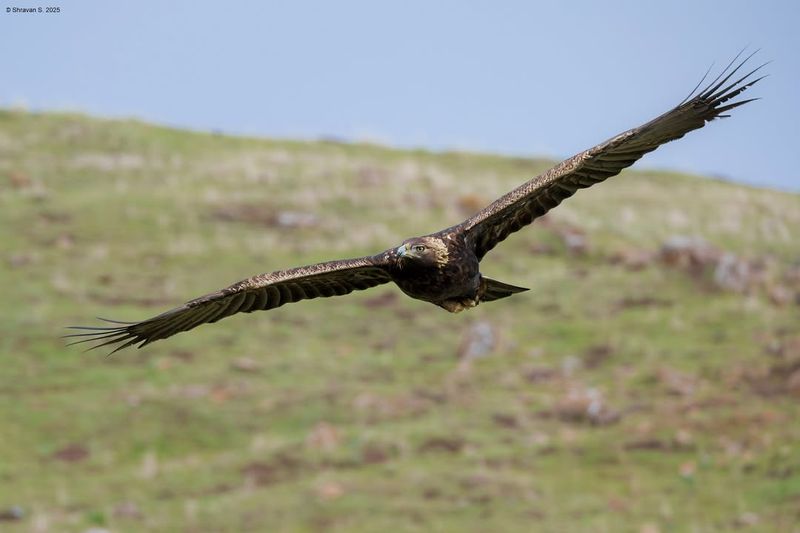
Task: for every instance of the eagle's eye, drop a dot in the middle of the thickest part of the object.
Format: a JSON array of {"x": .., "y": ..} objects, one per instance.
[{"x": 419, "y": 248}]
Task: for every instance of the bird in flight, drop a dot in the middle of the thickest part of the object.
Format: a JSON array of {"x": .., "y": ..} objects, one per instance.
[{"x": 443, "y": 268}]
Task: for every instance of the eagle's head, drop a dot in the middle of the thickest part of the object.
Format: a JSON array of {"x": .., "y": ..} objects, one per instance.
[{"x": 424, "y": 251}]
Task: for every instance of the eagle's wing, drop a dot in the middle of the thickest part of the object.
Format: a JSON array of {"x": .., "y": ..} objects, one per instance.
[
  {"x": 265, "y": 291},
  {"x": 534, "y": 198}
]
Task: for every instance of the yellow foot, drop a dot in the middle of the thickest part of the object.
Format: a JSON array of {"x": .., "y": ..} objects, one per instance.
[{"x": 456, "y": 306}]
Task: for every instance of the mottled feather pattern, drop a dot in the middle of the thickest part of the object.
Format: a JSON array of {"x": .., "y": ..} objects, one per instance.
[
  {"x": 536, "y": 197},
  {"x": 453, "y": 281},
  {"x": 258, "y": 293}
]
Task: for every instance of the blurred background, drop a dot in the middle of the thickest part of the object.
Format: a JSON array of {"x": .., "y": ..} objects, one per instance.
[
  {"x": 648, "y": 382},
  {"x": 544, "y": 79}
]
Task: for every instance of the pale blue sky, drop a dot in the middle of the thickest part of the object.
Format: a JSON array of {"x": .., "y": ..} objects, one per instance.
[{"x": 529, "y": 78}]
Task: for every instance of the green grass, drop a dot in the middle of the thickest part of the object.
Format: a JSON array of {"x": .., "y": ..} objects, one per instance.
[{"x": 359, "y": 414}]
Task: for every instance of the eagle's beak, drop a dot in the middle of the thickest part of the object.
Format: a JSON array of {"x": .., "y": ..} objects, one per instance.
[{"x": 402, "y": 250}]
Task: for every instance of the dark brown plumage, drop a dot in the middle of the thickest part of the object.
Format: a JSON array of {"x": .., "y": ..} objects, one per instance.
[{"x": 442, "y": 268}]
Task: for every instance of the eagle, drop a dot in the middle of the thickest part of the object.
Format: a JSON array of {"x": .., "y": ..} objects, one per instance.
[{"x": 443, "y": 268}]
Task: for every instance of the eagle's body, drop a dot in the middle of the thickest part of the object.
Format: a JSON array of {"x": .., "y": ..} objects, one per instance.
[
  {"x": 442, "y": 268},
  {"x": 446, "y": 273},
  {"x": 449, "y": 278}
]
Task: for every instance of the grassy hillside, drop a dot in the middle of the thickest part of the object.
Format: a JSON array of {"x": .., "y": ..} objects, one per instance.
[{"x": 648, "y": 382}]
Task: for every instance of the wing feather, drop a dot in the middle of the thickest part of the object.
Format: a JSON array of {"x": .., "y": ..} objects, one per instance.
[
  {"x": 247, "y": 304},
  {"x": 274, "y": 297},
  {"x": 259, "y": 300},
  {"x": 265, "y": 291},
  {"x": 536, "y": 197},
  {"x": 284, "y": 294}
]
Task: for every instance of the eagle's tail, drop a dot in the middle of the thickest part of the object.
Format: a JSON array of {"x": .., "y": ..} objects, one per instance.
[{"x": 494, "y": 290}]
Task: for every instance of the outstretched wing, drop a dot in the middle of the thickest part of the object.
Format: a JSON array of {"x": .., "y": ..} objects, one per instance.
[
  {"x": 534, "y": 198},
  {"x": 265, "y": 291}
]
